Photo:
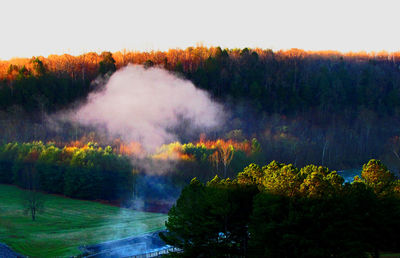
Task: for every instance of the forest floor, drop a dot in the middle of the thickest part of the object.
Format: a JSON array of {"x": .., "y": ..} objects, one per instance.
[{"x": 67, "y": 223}]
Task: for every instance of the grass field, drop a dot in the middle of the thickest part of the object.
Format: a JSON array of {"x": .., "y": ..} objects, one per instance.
[{"x": 66, "y": 224}]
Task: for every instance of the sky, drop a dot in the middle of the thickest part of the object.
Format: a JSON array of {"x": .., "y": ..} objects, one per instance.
[{"x": 44, "y": 27}]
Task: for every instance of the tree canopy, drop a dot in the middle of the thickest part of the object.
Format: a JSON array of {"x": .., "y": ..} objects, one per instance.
[{"x": 282, "y": 211}]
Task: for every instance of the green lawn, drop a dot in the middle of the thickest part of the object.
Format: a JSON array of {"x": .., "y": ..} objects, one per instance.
[{"x": 66, "y": 224}]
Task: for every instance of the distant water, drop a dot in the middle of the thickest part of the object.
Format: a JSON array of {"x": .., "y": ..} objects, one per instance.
[{"x": 349, "y": 174}]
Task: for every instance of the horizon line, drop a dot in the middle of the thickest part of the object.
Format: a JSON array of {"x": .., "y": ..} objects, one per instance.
[{"x": 150, "y": 50}]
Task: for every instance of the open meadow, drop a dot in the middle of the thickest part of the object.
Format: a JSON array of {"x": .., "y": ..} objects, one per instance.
[{"x": 67, "y": 223}]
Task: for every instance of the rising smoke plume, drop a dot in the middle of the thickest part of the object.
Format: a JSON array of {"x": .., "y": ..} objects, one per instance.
[{"x": 142, "y": 105}]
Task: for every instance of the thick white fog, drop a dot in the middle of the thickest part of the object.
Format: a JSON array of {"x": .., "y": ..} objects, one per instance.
[{"x": 141, "y": 104}]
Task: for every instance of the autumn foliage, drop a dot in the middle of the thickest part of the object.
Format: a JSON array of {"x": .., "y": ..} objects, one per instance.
[
  {"x": 188, "y": 59},
  {"x": 324, "y": 107},
  {"x": 88, "y": 171}
]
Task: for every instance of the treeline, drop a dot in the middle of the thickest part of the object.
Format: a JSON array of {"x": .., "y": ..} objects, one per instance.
[
  {"x": 328, "y": 108},
  {"x": 205, "y": 158},
  {"x": 282, "y": 211},
  {"x": 284, "y": 82},
  {"x": 37, "y": 91},
  {"x": 120, "y": 172},
  {"x": 162, "y": 175},
  {"x": 89, "y": 172}
]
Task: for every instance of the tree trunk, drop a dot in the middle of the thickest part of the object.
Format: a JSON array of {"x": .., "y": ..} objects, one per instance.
[
  {"x": 225, "y": 169},
  {"x": 33, "y": 212},
  {"x": 323, "y": 152}
]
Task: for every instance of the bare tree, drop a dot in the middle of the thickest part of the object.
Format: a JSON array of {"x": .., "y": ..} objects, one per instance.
[
  {"x": 215, "y": 159},
  {"x": 33, "y": 203},
  {"x": 224, "y": 153},
  {"x": 32, "y": 200}
]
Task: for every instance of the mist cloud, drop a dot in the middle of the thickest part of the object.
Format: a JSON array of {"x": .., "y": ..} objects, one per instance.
[{"x": 139, "y": 104}]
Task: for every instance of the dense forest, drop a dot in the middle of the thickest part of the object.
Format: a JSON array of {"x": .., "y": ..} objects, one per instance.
[
  {"x": 285, "y": 107},
  {"x": 110, "y": 173},
  {"x": 279, "y": 210},
  {"x": 326, "y": 108},
  {"x": 87, "y": 172}
]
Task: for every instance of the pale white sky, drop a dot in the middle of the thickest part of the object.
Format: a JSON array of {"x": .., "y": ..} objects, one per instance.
[{"x": 43, "y": 27}]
